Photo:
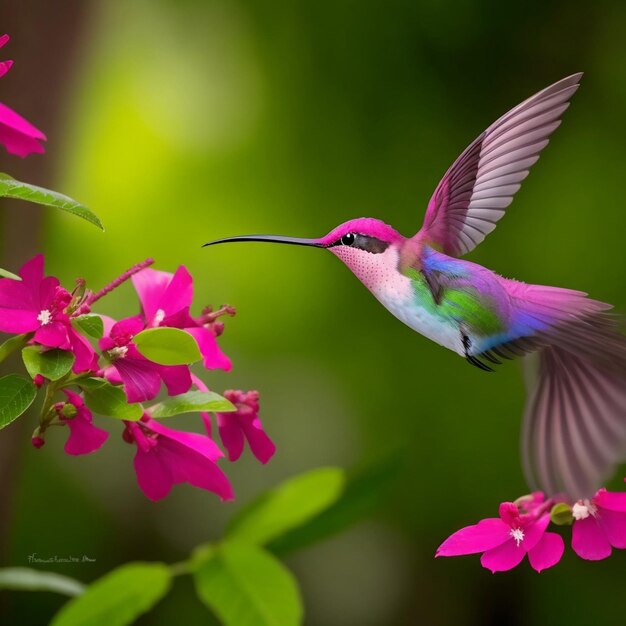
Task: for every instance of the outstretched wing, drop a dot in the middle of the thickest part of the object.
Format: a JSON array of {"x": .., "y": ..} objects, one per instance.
[
  {"x": 574, "y": 426},
  {"x": 481, "y": 183}
]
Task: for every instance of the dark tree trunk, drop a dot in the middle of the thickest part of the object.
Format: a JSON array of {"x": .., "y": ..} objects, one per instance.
[{"x": 45, "y": 43}]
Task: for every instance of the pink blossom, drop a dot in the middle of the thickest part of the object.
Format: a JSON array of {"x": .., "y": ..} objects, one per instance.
[
  {"x": 84, "y": 436},
  {"x": 167, "y": 457},
  {"x": 244, "y": 423},
  {"x": 505, "y": 540},
  {"x": 166, "y": 300},
  {"x": 599, "y": 523},
  {"x": 206, "y": 418},
  {"x": 141, "y": 377},
  {"x": 17, "y": 135},
  {"x": 37, "y": 304}
]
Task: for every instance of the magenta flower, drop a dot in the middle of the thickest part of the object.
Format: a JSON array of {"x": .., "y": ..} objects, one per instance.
[
  {"x": 37, "y": 304},
  {"x": 599, "y": 523},
  {"x": 206, "y": 418},
  {"x": 166, "y": 299},
  {"x": 244, "y": 423},
  {"x": 141, "y": 377},
  {"x": 84, "y": 436},
  {"x": 167, "y": 457},
  {"x": 17, "y": 135},
  {"x": 505, "y": 540}
]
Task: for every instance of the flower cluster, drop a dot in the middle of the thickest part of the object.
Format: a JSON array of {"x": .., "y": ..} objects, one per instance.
[
  {"x": 598, "y": 525},
  {"x": 133, "y": 357}
]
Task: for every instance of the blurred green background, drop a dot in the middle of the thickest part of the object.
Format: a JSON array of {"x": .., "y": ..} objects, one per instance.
[{"x": 183, "y": 121}]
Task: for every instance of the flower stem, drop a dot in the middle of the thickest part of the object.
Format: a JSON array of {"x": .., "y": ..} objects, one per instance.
[
  {"x": 119, "y": 280},
  {"x": 46, "y": 408},
  {"x": 13, "y": 344}
]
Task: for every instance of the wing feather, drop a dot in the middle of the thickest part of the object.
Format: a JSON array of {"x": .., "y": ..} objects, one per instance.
[
  {"x": 481, "y": 183},
  {"x": 574, "y": 427}
]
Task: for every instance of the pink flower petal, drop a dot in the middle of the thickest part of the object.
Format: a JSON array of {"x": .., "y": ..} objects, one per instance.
[
  {"x": 613, "y": 523},
  {"x": 86, "y": 358},
  {"x": 127, "y": 327},
  {"x": 5, "y": 66},
  {"x": 503, "y": 557},
  {"x": 177, "y": 457},
  {"x": 208, "y": 425},
  {"x": 4, "y": 39},
  {"x": 31, "y": 272},
  {"x": 47, "y": 291},
  {"x": 84, "y": 436},
  {"x": 74, "y": 398},
  {"x": 14, "y": 294},
  {"x": 547, "y": 552},
  {"x": 18, "y": 321},
  {"x": 534, "y": 531},
  {"x": 112, "y": 375},
  {"x": 214, "y": 358},
  {"x": 487, "y": 534},
  {"x": 162, "y": 290},
  {"x": 231, "y": 435},
  {"x": 615, "y": 501},
  {"x": 154, "y": 474},
  {"x": 177, "y": 378},
  {"x": 17, "y": 135},
  {"x": 509, "y": 514},
  {"x": 53, "y": 335},
  {"x": 206, "y": 418},
  {"x": 589, "y": 541},
  {"x": 141, "y": 378},
  {"x": 179, "y": 292},
  {"x": 200, "y": 443},
  {"x": 261, "y": 445},
  {"x": 200, "y": 472},
  {"x": 180, "y": 319},
  {"x": 150, "y": 286},
  {"x": 107, "y": 323}
]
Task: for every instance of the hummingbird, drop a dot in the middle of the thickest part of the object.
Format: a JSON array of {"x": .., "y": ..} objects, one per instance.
[{"x": 574, "y": 423}]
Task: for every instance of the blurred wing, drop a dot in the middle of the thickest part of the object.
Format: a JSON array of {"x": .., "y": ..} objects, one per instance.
[
  {"x": 574, "y": 427},
  {"x": 481, "y": 183}
]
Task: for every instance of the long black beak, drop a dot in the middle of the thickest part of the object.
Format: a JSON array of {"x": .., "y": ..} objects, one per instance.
[{"x": 294, "y": 241}]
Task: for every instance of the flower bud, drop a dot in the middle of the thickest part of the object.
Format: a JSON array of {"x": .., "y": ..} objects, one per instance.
[
  {"x": 69, "y": 411},
  {"x": 37, "y": 440},
  {"x": 39, "y": 381}
]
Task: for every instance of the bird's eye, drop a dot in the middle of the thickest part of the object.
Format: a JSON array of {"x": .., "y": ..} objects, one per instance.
[{"x": 348, "y": 239}]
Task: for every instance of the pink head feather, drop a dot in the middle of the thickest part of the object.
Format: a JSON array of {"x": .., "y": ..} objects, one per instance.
[{"x": 363, "y": 226}]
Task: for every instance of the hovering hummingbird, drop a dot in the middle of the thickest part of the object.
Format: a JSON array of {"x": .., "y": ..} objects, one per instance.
[{"x": 574, "y": 425}]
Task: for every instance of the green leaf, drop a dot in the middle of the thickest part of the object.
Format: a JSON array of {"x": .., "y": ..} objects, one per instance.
[
  {"x": 287, "y": 506},
  {"x": 52, "y": 364},
  {"x": 167, "y": 346},
  {"x": 16, "y": 395},
  {"x": 561, "y": 514},
  {"x": 89, "y": 324},
  {"x": 106, "y": 399},
  {"x": 8, "y": 274},
  {"x": 26, "y": 579},
  {"x": 246, "y": 586},
  {"x": 118, "y": 598},
  {"x": 13, "y": 344},
  {"x": 365, "y": 491},
  {"x": 191, "y": 402},
  {"x": 11, "y": 188}
]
